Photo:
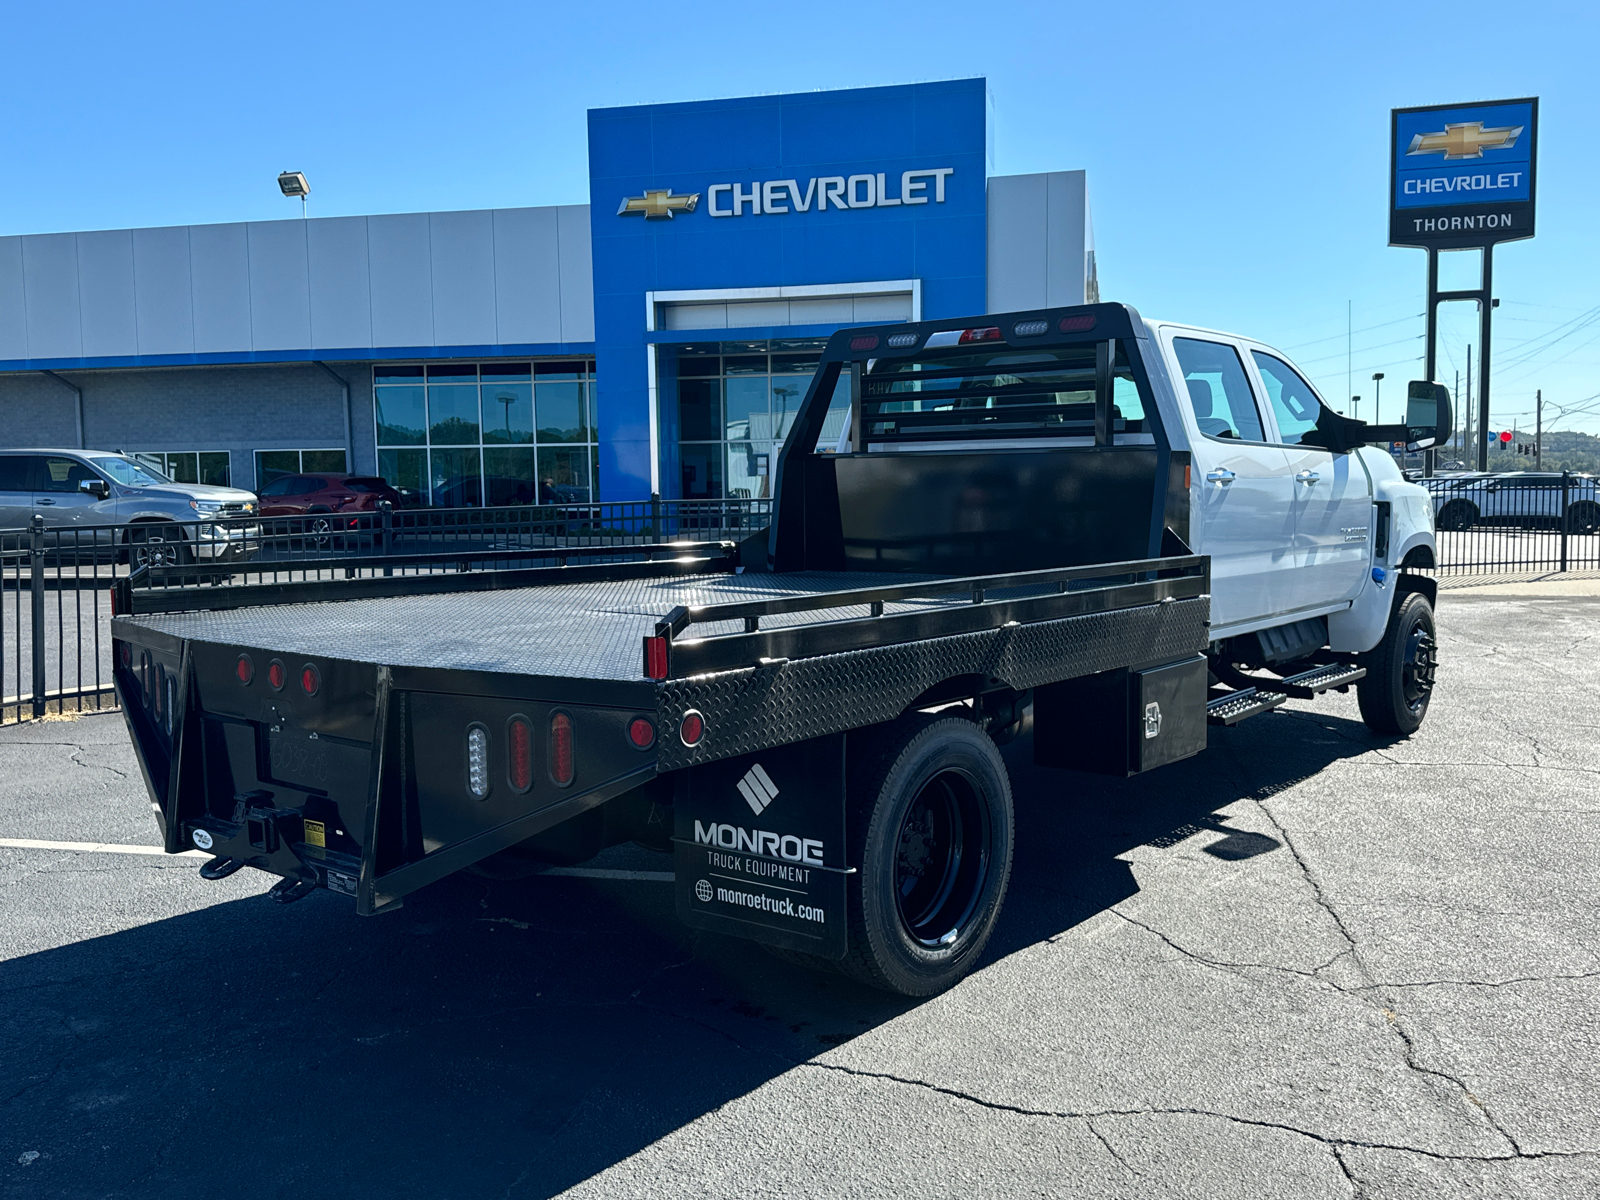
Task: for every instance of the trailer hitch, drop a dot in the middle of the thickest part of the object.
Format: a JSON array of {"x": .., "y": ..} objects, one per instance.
[{"x": 287, "y": 891}]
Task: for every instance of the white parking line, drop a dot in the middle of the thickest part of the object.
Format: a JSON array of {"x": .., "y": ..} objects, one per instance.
[
  {"x": 113, "y": 848},
  {"x": 92, "y": 847}
]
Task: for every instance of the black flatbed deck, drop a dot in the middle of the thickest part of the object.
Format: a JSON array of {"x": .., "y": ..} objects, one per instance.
[{"x": 586, "y": 630}]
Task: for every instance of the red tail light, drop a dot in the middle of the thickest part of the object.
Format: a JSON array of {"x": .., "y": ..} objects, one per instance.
[
  {"x": 1076, "y": 324},
  {"x": 245, "y": 669},
  {"x": 968, "y": 336},
  {"x": 310, "y": 680},
  {"x": 655, "y": 658},
  {"x": 869, "y": 342},
  {"x": 519, "y": 754},
  {"x": 562, "y": 767},
  {"x": 641, "y": 733},
  {"x": 276, "y": 675},
  {"x": 127, "y": 655}
]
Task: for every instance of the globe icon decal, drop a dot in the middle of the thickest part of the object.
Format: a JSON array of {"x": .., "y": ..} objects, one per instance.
[{"x": 703, "y": 890}]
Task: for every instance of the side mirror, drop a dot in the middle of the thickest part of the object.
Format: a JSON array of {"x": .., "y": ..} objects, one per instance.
[
  {"x": 97, "y": 488},
  {"x": 1428, "y": 417}
]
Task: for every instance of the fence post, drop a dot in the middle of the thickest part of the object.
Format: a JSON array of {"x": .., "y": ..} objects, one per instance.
[
  {"x": 36, "y": 596},
  {"x": 655, "y": 517},
  {"x": 385, "y": 529},
  {"x": 1566, "y": 520}
]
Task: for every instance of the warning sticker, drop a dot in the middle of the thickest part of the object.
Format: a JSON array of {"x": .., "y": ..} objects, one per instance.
[{"x": 316, "y": 834}]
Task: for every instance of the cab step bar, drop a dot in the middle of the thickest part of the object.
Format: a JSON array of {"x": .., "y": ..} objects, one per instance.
[
  {"x": 1308, "y": 684},
  {"x": 1232, "y": 707}
]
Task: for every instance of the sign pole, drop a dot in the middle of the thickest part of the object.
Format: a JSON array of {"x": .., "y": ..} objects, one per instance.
[
  {"x": 1431, "y": 351},
  {"x": 1485, "y": 308}
]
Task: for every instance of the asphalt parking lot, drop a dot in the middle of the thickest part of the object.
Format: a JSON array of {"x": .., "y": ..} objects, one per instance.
[{"x": 1308, "y": 963}]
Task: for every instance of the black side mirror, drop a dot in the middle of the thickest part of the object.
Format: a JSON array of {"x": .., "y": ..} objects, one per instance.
[
  {"x": 1428, "y": 417},
  {"x": 97, "y": 488}
]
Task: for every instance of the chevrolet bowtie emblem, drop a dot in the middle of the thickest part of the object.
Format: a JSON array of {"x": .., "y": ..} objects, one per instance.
[
  {"x": 1467, "y": 140},
  {"x": 657, "y": 203}
]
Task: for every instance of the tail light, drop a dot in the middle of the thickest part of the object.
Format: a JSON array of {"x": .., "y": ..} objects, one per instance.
[
  {"x": 989, "y": 334},
  {"x": 900, "y": 341},
  {"x": 478, "y": 761},
  {"x": 655, "y": 658},
  {"x": 869, "y": 342},
  {"x": 1029, "y": 328},
  {"x": 1076, "y": 324},
  {"x": 562, "y": 767},
  {"x": 642, "y": 733},
  {"x": 125, "y": 651},
  {"x": 692, "y": 728},
  {"x": 144, "y": 676},
  {"x": 519, "y": 754},
  {"x": 310, "y": 679},
  {"x": 277, "y": 675},
  {"x": 244, "y": 669}
]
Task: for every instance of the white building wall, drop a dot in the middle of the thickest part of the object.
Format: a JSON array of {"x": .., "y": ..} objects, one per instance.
[
  {"x": 491, "y": 277},
  {"x": 1038, "y": 239}
]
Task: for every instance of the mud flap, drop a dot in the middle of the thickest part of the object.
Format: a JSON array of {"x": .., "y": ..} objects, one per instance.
[{"x": 759, "y": 847}]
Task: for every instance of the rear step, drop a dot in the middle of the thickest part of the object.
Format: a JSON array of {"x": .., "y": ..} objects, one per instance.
[
  {"x": 1307, "y": 684},
  {"x": 1233, "y": 707}
]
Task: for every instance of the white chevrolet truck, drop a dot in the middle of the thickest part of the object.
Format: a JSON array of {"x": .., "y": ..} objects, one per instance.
[{"x": 1117, "y": 533}]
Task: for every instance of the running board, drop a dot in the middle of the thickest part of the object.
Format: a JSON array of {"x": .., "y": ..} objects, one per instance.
[
  {"x": 1308, "y": 684},
  {"x": 1233, "y": 707}
]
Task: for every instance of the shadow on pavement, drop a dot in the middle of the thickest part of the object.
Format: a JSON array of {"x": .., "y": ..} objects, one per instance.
[{"x": 499, "y": 1034}]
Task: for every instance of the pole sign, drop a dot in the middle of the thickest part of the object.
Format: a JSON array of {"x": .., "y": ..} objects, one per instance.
[{"x": 1462, "y": 175}]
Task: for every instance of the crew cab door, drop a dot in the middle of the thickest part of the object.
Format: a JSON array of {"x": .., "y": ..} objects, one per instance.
[
  {"x": 1243, "y": 496},
  {"x": 1332, "y": 496}
]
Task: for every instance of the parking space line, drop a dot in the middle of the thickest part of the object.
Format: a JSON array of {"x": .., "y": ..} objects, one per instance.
[{"x": 93, "y": 848}]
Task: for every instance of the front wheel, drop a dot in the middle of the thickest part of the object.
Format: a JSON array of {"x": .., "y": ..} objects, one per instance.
[
  {"x": 931, "y": 833},
  {"x": 1457, "y": 516},
  {"x": 1400, "y": 670},
  {"x": 157, "y": 545},
  {"x": 1583, "y": 517}
]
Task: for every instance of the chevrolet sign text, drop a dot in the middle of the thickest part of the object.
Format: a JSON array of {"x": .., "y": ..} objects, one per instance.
[{"x": 777, "y": 196}]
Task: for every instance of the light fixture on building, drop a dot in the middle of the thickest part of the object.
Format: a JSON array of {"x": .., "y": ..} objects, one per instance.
[{"x": 292, "y": 184}]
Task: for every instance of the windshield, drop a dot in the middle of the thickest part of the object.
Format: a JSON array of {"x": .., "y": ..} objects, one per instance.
[{"x": 129, "y": 473}]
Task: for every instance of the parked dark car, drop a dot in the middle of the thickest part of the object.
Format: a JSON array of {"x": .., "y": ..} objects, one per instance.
[{"x": 328, "y": 502}]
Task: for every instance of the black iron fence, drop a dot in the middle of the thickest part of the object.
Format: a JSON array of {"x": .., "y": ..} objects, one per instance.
[
  {"x": 55, "y": 581},
  {"x": 55, "y": 610},
  {"x": 1516, "y": 523}
]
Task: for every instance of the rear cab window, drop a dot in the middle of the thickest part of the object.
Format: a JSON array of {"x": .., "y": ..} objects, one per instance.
[
  {"x": 15, "y": 473},
  {"x": 1218, "y": 390}
]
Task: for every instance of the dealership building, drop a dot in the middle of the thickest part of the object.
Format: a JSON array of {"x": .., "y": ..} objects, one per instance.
[{"x": 656, "y": 340}]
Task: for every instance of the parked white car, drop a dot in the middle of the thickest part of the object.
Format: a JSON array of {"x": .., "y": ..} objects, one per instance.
[{"x": 1515, "y": 499}]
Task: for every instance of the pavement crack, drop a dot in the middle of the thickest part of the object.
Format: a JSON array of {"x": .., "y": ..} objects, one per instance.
[
  {"x": 1089, "y": 1115},
  {"x": 1112, "y": 1150}
]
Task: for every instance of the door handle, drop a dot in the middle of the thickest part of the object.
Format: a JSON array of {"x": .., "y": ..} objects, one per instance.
[
  {"x": 44, "y": 501},
  {"x": 1307, "y": 477},
  {"x": 1222, "y": 476}
]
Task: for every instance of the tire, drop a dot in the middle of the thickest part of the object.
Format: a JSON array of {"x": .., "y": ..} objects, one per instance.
[
  {"x": 1583, "y": 517},
  {"x": 1400, "y": 670},
  {"x": 155, "y": 544},
  {"x": 930, "y": 829},
  {"x": 1457, "y": 516}
]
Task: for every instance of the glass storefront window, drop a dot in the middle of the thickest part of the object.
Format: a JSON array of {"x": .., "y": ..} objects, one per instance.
[
  {"x": 212, "y": 467},
  {"x": 743, "y": 395},
  {"x": 480, "y": 423}
]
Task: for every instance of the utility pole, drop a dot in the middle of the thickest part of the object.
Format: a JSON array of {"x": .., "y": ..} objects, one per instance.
[
  {"x": 1461, "y": 433},
  {"x": 1472, "y": 440},
  {"x": 1538, "y": 430}
]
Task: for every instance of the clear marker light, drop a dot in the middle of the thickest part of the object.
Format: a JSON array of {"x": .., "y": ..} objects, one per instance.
[{"x": 478, "y": 761}]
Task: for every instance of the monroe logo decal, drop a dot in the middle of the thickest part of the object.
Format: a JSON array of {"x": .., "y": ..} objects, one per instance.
[
  {"x": 759, "y": 841},
  {"x": 757, "y": 789}
]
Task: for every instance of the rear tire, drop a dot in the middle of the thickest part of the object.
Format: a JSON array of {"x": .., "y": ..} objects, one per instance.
[
  {"x": 1400, "y": 670},
  {"x": 930, "y": 831},
  {"x": 1583, "y": 517},
  {"x": 1457, "y": 516}
]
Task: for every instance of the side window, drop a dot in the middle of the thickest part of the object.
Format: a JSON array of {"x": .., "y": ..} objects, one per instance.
[
  {"x": 1293, "y": 402},
  {"x": 1219, "y": 391},
  {"x": 281, "y": 487},
  {"x": 15, "y": 475},
  {"x": 62, "y": 475}
]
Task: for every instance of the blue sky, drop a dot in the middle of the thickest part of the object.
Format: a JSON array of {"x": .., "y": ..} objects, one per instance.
[{"x": 1237, "y": 153}]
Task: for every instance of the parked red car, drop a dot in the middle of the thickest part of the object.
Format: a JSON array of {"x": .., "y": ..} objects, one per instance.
[{"x": 325, "y": 497}]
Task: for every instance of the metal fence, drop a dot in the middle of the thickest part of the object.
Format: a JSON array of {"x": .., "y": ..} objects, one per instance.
[
  {"x": 1516, "y": 523},
  {"x": 55, "y": 609}
]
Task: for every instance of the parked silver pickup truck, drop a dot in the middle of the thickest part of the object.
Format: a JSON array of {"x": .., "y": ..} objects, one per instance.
[{"x": 163, "y": 522}]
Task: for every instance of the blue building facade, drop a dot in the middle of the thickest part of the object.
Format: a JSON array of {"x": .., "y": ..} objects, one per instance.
[{"x": 653, "y": 341}]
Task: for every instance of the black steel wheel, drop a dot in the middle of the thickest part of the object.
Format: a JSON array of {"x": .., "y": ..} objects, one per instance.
[
  {"x": 931, "y": 836},
  {"x": 1457, "y": 516},
  {"x": 1401, "y": 669}
]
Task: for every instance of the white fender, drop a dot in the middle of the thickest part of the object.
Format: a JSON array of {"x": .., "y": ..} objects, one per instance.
[{"x": 1360, "y": 627}]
